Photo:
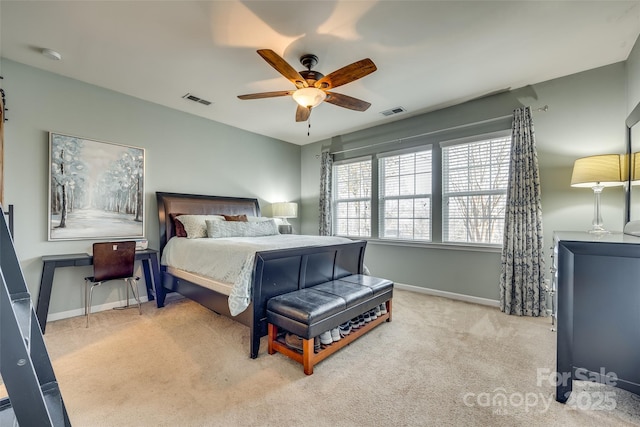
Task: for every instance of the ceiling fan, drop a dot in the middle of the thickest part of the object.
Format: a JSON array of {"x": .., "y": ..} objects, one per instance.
[{"x": 312, "y": 86}]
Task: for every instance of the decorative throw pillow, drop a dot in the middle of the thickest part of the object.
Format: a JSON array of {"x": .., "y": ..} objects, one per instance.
[
  {"x": 279, "y": 221},
  {"x": 180, "y": 231},
  {"x": 242, "y": 218},
  {"x": 218, "y": 229},
  {"x": 195, "y": 225}
]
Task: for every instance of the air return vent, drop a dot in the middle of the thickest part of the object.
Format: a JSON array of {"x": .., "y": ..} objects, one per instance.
[
  {"x": 393, "y": 111},
  {"x": 194, "y": 98}
]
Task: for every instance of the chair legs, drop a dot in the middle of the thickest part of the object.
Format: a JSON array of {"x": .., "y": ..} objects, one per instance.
[
  {"x": 88, "y": 296},
  {"x": 130, "y": 282}
]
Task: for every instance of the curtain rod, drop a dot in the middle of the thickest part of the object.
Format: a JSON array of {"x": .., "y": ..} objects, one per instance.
[{"x": 399, "y": 140}]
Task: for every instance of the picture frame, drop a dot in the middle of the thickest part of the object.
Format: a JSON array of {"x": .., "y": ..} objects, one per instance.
[{"x": 96, "y": 189}]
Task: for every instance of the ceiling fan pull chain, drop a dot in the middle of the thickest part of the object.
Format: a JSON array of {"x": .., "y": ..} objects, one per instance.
[{"x": 309, "y": 126}]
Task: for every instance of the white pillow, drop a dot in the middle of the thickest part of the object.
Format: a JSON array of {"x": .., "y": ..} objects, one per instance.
[
  {"x": 279, "y": 221},
  {"x": 195, "y": 225},
  {"x": 218, "y": 229}
]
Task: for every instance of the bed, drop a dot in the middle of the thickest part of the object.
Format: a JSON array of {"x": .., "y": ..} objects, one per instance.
[{"x": 272, "y": 272}]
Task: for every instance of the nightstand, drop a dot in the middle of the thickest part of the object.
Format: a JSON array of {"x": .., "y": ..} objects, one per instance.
[{"x": 285, "y": 229}]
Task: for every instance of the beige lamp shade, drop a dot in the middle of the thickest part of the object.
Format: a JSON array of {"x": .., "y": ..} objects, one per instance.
[
  {"x": 284, "y": 210},
  {"x": 605, "y": 170},
  {"x": 635, "y": 168}
]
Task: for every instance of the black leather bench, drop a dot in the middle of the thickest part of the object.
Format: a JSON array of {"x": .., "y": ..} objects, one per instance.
[{"x": 311, "y": 311}]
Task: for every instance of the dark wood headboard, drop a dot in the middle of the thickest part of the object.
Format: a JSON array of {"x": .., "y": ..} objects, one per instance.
[{"x": 196, "y": 204}]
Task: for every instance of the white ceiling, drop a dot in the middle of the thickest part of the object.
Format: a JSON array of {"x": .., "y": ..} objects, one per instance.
[{"x": 429, "y": 54}]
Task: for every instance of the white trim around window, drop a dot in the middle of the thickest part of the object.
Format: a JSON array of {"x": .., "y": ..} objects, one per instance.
[
  {"x": 352, "y": 193},
  {"x": 475, "y": 173},
  {"x": 404, "y": 194}
]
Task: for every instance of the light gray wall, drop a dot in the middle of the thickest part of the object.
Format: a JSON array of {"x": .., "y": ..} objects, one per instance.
[
  {"x": 184, "y": 153},
  {"x": 633, "y": 76},
  {"x": 586, "y": 116}
]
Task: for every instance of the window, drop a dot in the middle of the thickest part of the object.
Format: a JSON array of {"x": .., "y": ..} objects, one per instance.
[
  {"x": 352, "y": 198},
  {"x": 405, "y": 196},
  {"x": 433, "y": 190},
  {"x": 474, "y": 190}
]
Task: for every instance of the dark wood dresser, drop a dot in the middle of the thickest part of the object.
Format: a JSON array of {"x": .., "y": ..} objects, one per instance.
[{"x": 598, "y": 310}]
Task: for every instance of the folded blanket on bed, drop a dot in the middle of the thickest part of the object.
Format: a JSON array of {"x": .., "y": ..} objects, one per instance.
[{"x": 230, "y": 260}]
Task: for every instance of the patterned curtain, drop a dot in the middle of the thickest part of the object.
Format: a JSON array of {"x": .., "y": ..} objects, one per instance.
[
  {"x": 326, "y": 166},
  {"x": 522, "y": 278}
]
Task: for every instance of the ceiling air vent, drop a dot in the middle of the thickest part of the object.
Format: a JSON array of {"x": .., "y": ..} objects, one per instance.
[
  {"x": 393, "y": 111},
  {"x": 196, "y": 99}
]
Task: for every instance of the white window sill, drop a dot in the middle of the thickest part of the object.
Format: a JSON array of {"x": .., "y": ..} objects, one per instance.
[{"x": 431, "y": 245}]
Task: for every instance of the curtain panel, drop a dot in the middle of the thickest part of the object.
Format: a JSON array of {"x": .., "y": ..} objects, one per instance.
[
  {"x": 326, "y": 168},
  {"x": 522, "y": 290}
]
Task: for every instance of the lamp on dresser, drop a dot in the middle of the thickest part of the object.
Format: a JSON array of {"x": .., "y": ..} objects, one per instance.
[
  {"x": 285, "y": 210},
  {"x": 598, "y": 172},
  {"x": 635, "y": 168}
]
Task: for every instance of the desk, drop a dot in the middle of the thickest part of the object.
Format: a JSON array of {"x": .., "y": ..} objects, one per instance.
[{"x": 150, "y": 265}]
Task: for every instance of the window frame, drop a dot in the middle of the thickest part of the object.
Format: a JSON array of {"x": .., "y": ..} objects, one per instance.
[
  {"x": 335, "y": 202},
  {"x": 465, "y": 132},
  {"x": 382, "y": 198},
  {"x": 445, "y": 196}
]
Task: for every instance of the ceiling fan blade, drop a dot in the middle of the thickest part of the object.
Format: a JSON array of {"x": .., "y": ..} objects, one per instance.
[
  {"x": 283, "y": 67},
  {"x": 347, "y": 74},
  {"x": 266, "y": 94},
  {"x": 346, "y": 101},
  {"x": 302, "y": 113}
]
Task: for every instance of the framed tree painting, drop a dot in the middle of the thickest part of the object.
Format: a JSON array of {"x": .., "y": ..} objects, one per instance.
[{"x": 96, "y": 189}]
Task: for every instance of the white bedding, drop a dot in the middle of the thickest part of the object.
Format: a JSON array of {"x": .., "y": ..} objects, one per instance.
[{"x": 230, "y": 260}]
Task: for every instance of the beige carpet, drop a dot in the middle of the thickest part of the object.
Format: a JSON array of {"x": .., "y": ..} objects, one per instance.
[{"x": 440, "y": 362}]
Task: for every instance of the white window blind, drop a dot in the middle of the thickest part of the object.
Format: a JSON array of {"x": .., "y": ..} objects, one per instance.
[
  {"x": 474, "y": 187},
  {"x": 405, "y": 196},
  {"x": 352, "y": 199}
]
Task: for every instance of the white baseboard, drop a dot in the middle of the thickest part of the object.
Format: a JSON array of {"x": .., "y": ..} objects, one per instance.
[
  {"x": 450, "y": 295},
  {"x": 94, "y": 309}
]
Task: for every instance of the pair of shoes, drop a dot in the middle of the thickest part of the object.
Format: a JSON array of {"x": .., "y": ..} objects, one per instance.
[
  {"x": 383, "y": 308},
  {"x": 325, "y": 338},
  {"x": 293, "y": 342},
  {"x": 367, "y": 317},
  {"x": 335, "y": 334},
  {"x": 362, "y": 320},
  {"x": 345, "y": 329},
  {"x": 354, "y": 323},
  {"x": 377, "y": 311},
  {"x": 373, "y": 315}
]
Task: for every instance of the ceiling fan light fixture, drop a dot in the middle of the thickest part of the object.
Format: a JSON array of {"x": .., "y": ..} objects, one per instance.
[{"x": 309, "y": 97}]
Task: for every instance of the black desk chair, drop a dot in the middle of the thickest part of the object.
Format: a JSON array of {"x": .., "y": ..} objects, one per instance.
[{"x": 112, "y": 261}]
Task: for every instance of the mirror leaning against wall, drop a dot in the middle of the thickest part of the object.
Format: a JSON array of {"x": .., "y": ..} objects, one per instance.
[{"x": 632, "y": 202}]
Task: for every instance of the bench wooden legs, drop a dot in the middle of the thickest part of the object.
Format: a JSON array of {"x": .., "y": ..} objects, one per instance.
[
  {"x": 273, "y": 332},
  {"x": 309, "y": 358}
]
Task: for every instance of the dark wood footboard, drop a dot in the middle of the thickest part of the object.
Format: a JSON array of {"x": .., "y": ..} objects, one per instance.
[{"x": 281, "y": 271}]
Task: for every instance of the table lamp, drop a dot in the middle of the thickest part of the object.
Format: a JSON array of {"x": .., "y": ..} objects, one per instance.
[
  {"x": 635, "y": 168},
  {"x": 284, "y": 210},
  {"x": 597, "y": 172}
]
